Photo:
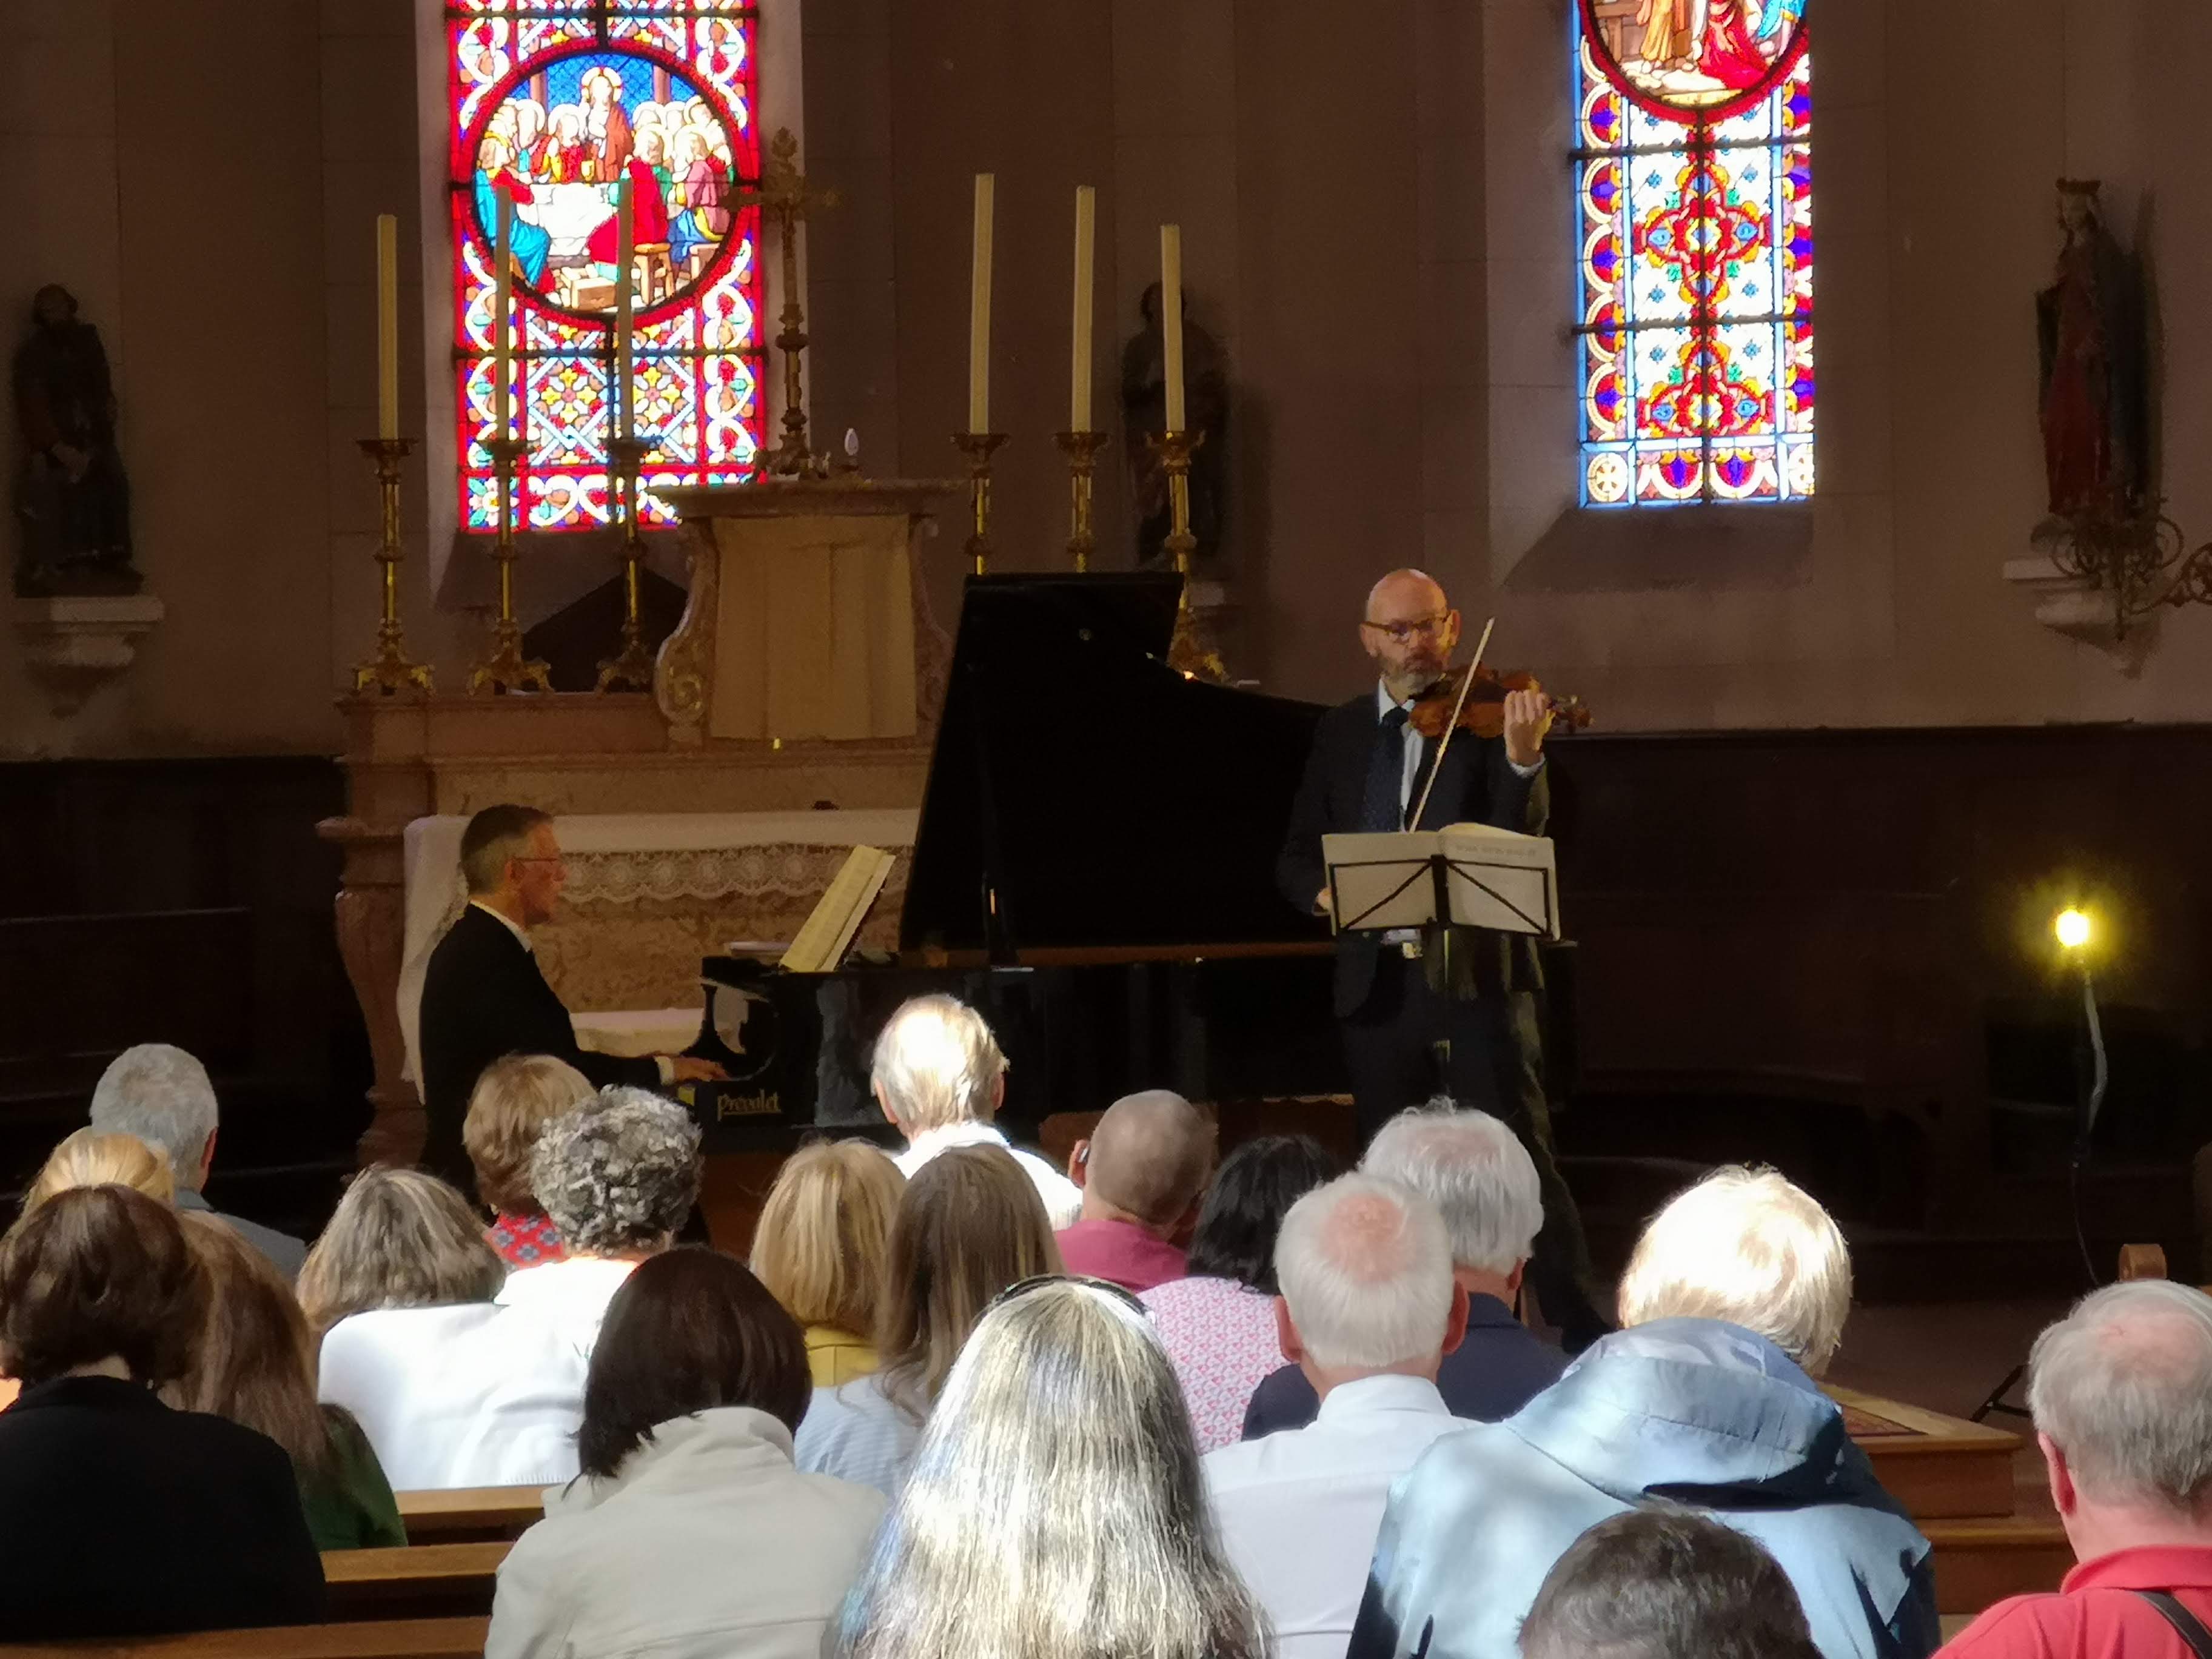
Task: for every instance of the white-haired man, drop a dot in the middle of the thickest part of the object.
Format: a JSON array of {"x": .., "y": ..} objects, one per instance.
[
  {"x": 1368, "y": 1310},
  {"x": 2121, "y": 1391},
  {"x": 1482, "y": 1180},
  {"x": 164, "y": 1096},
  {"x": 939, "y": 1077},
  {"x": 1733, "y": 1302}
]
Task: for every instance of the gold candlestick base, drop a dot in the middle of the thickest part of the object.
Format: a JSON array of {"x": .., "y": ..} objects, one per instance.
[
  {"x": 1192, "y": 652},
  {"x": 390, "y": 670},
  {"x": 633, "y": 665},
  {"x": 977, "y": 447},
  {"x": 506, "y": 669},
  {"x": 1081, "y": 449}
]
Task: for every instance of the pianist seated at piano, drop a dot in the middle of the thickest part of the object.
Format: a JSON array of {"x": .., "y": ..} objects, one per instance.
[
  {"x": 941, "y": 1079},
  {"x": 484, "y": 995}
]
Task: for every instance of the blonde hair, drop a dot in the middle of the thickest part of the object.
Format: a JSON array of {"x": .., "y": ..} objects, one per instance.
[
  {"x": 936, "y": 1064},
  {"x": 970, "y": 1223},
  {"x": 90, "y": 1158},
  {"x": 823, "y": 1240},
  {"x": 1748, "y": 1247},
  {"x": 513, "y": 1102},
  {"x": 399, "y": 1239},
  {"x": 255, "y": 1360},
  {"x": 1056, "y": 1508}
]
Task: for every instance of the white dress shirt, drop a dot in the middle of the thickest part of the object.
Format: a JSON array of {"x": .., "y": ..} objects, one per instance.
[
  {"x": 1415, "y": 745},
  {"x": 1063, "y": 1198},
  {"x": 1299, "y": 1509}
]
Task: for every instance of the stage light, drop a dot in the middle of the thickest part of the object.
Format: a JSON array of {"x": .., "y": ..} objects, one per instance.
[{"x": 2072, "y": 927}]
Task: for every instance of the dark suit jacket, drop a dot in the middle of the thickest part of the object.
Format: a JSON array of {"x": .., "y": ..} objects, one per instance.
[
  {"x": 119, "y": 1517},
  {"x": 1499, "y": 1368},
  {"x": 1477, "y": 786},
  {"x": 485, "y": 998}
]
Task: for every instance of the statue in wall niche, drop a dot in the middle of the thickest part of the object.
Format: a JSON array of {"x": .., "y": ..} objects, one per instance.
[
  {"x": 1143, "y": 417},
  {"x": 72, "y": 499},
  {"x": 2093, "y": 357}
]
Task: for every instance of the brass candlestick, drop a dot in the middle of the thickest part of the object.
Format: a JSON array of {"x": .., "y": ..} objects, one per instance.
[
  {"x": 786, "y": 199},
  {"x": 1081, "y": 449},
  {"x": 506, "y": 668},
  {"x": 633, "y": 667},
  {"x": 390, "y": 670},
  {"x": 977, "y": 447},
  {"x": 1191, "y": 651}
]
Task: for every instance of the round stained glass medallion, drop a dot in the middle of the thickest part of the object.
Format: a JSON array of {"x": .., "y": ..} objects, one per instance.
[{"x": 1695, "y": 60}]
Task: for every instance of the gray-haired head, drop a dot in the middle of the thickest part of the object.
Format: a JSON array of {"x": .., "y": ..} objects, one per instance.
[
  {"x": 1366, "y": 1271},
  {"x": 161, "y": 1095},
  {"x": 1665, "y": 1582},
  {"x": 493, "y": 836},
  {"x": 618, "y": 1174},
  {"x": 1474, "y": 1170},
  {"x": 2123, "y": 1385},
  {"x": 936, "y": 1063}
]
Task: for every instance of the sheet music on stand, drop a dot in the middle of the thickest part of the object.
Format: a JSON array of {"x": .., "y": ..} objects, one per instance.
[{"x": 1470, "y": 875}]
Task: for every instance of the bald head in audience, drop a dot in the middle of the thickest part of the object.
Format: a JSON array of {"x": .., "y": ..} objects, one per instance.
[
  {"x": 1366, "y": 1265},
  {"x": 1147, "y": 1162}
]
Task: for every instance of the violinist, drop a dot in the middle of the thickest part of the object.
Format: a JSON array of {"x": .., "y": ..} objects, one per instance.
[{"x": 1405, "y": 1039}]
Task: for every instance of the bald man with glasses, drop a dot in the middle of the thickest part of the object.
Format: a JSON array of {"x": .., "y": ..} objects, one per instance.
[{"x": 1367, "y": 772}]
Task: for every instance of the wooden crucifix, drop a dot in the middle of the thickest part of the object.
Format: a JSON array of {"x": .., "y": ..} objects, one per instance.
[{"x": 785, "y": 199}]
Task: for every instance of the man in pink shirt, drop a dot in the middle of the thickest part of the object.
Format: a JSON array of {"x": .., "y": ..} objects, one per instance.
[
  {"x": 1142, "y": 1173},
  {"x": 2121, "y": 1391}
]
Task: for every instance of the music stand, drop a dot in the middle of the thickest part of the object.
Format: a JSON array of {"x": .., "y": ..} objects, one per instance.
[{"x": 1465, "y": 875}]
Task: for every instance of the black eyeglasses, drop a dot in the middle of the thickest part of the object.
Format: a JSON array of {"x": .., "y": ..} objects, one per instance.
[
  {"x": 1022, "y": 1287},
  {"x": 1401, "y": 632}
]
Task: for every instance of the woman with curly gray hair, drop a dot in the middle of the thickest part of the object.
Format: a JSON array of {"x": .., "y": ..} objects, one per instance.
[{"x": 1055, "y": 1508}]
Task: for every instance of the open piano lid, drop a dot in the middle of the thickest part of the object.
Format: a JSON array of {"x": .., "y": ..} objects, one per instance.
[{"x": 1105, "y": 799}]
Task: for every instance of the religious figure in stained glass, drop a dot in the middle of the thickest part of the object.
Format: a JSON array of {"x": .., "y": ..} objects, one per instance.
[
  {"x": 1693, "y": 185},
  {"x": 555, "y": 107}
]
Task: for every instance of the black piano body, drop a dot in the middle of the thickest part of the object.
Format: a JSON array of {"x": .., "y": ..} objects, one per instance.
[{"x": 1093, "y": 870}]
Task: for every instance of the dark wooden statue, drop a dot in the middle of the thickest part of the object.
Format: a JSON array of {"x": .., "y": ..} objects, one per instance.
[
  {"x": 72, "y": 496},
  {"x": 1143, "y": 417}
]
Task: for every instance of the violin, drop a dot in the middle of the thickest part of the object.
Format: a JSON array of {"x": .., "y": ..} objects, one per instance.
[{"x": 1482, "y": 710}]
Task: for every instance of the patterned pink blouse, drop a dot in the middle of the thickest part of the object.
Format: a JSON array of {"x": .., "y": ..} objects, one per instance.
[{"x": 1222, "y": 1339}]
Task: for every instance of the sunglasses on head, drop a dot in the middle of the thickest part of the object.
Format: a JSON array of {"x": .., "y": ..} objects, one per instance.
[{"x": 1022, "y": 1287}]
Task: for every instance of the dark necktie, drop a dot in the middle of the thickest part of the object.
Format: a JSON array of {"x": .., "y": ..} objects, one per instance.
[{"x": 1379, "y": 808}]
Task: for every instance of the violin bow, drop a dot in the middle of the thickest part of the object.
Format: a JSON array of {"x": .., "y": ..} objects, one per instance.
[{"x": 1444, "y": 748}]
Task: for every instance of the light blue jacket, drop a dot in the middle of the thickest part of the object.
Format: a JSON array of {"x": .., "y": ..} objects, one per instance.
[{"x": 1694, "y": 1411}]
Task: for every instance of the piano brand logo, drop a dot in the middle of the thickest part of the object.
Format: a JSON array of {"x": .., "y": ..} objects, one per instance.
[{"x": 767, "y": 1103}]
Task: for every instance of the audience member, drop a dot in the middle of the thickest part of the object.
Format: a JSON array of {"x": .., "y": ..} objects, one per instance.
[
  {"x": 2121, "y": 1393},
  {"x": 119, "y": 1515},
  {"x": 1141, "y": 1172},
  {"x": 968, "y": 1224},
  {"x": 1480, "y": 1176},
  {"x": 162, "y": 1096},
  {"x": 399, "y": 1239},
  {"x": 691, "y": 1532},
  {"x": 821, "y": 1248},
  {"x": 255, "y": 1364},
  {"x": 1055, "y": 1508},
  {"x": 1735, "y": 1297},
  {"x": 1664, "y": 1583},
  {"x": 941, "y": 1080},
  {"x": 1369, "y": 1310},
  {"x": 1219, "y": 1324},
  {"x": 513, "y": 1102},
  {"x": 87, "y": 1157}
]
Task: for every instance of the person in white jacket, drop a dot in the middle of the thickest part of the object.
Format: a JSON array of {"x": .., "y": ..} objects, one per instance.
[{"x": 689, "y": 1532}]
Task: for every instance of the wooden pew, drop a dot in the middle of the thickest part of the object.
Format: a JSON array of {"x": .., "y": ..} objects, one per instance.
[
  {"x": 1980, "y": 1562},
  {"x": 469, "y": 1514},
  {"x": 408, "y": 1638},
  {"x": 423, "y": 1581},
  {"x": 1939, "y": 1467}
]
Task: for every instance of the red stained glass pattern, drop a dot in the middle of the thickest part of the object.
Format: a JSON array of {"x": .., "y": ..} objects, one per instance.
[
  {"x": 552, "y": 103},
  {"x": 1695, "y": 332}
]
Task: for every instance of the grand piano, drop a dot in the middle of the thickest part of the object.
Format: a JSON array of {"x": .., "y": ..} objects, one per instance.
[{"x": 1093, "y": 870}]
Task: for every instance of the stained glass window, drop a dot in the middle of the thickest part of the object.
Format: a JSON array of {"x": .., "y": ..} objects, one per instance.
[
  {"x": 553, "y": 103},
  {"x": 1694, "y": 215}
]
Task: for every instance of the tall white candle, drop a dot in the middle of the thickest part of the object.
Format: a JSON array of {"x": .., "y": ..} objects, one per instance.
[
  {"x": 387, "y": 326},
  {"x": 625, "y": 415},
  {"x": 501, "y": 304},
  {"x": 1171, "y": 319},
  {"x": 979, "y": 311},
  {"x": 1086, "y": 226}
]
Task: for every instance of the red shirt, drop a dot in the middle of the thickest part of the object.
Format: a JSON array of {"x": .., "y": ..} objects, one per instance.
[
  {"x": 1120, "y": 1252},
  {"x": 2096, "y": 1614}
]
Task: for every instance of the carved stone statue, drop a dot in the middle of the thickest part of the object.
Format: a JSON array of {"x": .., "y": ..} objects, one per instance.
[
  {"x": 1144, "y": 416},
  {"x": 72, "y": 497},
  {"x": 2090, "y": 330}
]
